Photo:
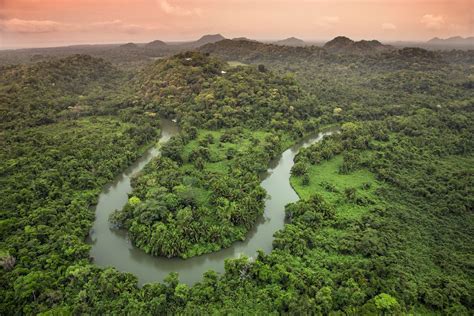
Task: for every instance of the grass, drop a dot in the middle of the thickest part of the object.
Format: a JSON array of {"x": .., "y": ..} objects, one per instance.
[
  {"x": 320, "y": 176},
  {"x": 235, "y": 63},
  {"x": 219, "y": 162},
  {"x": 328, "y": 173}
]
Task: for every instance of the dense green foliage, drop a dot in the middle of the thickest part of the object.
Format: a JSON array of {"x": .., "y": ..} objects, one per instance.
[
  {"x": 202, "y": 91},
  {"x": 51, "y": 170},
  {"x": 410, "y": 225},
  {"x": 50, "y": 175},
  {"x": 202, "y": 194},
  {"x": 45, "y": 92},
  {"x": 384, "y": 224}
]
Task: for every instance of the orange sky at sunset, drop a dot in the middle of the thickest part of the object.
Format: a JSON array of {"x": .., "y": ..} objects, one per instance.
[{"x": 31, "y": 23}]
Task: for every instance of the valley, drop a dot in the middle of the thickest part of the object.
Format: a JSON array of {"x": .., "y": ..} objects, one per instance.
[{"x": 237, "y": 177}]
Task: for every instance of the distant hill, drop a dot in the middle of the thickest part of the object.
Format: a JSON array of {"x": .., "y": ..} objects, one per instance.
[
  {"x": 386, "y": 56},
  {"x": 73, "y": 74},
  {"x": 342, "y": 44},
  {"x": 291, "y": 41},
  {"x": 413, "y": 54},
  {"x": 129, "y": 45},
  {"x": 244, "y": 39},
  {"x": 156, "y": 44},
  {"x": 41, "y": 88},
  {"x": 339, "y": 43},
  {"x": 456, "y": 40},
  {"x": 253, "y": 51},
  {"x": 208, "y": 39}
]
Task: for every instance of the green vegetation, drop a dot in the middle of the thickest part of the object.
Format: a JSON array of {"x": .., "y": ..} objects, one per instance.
[
  {"x": 384, "y": 224},
  {"x": 387, "y": 206},
  {"x": 47, "y": 92},
  {"x": 326, "y": 179},
  {"x": 203, "y": 91},
  {"x": 50, "y": 175},
  {"x": 202, "y": 194},
  {"x": 236, "y": 63}
]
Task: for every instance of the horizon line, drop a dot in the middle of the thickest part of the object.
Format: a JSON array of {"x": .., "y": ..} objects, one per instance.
[{"x": 178, "y": 41}]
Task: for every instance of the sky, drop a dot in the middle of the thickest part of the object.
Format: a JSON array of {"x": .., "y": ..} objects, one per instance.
[{"x": 42, "y": 23}]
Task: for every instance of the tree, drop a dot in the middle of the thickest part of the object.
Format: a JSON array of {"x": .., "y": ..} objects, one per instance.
[
  {"x": 134, "y": 201},
  {"x": 306, "y": 179},
  {"x": 230, "y": 153},
  {"x": 386, "y": 304},
  {"x": 300, "y": 168},
  {"x": 323, "y": 299},
  {"x": 30, "y": 285}
]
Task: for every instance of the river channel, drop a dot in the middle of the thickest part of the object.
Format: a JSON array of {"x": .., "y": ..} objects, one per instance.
[{"x": 111, "y": 247}]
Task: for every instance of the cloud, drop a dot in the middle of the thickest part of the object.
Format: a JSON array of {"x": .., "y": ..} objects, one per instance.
[
  {"x": 174, "y": 9},
  {"x": 328, "y": 21},
  {"x": 48, "y": 26},
  {"x": 119, "y": 26},
  {"x": 389, "y": 26},
  {"x": 31, "y": 26},
  {"x": 432, "y": 22}
]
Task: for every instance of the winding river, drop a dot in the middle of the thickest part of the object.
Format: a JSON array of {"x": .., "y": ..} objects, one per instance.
[{"x": 111, "y": 247}]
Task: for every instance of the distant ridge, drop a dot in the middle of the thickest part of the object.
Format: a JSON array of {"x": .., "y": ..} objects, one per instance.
[
  {"x": 250, "y": 51},
  {"x": 244, "y": 39},
  {"x": 129, "y": 45},
  {"x": 455, "y": 40},
  {"x": 156, "y": 44},
  {"x": 342, "y": 44},
  {"x": 339, "y": 43},
  {"x": 208, "y": 39},
  {"x": 291, "y": 41}
]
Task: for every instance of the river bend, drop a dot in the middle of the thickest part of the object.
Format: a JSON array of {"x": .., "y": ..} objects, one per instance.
[{"x": 111, "y": 247}]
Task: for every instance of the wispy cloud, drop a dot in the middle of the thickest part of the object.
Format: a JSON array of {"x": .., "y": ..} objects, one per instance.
[
  {"x": 389, "y": 26},
  {"x": 31, "y": 26},
  {"x": 432, "y": 22},
  {"x": 173, "y": 9},
  {"x": 47, "y": 26},
  {"x": 120, "y": 26},
  {"x": 328, "y": 21}
]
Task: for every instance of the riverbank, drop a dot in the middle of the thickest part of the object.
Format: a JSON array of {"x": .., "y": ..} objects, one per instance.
[{"x": 111, "y": 247}]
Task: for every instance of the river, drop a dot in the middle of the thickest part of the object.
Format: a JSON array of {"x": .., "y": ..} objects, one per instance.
[{"x": 111, "y": 247}]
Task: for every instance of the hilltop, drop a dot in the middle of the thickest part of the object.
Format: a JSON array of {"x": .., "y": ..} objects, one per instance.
[
  {"x": 44, "y": 89},
  {"x": 456, "y": 42},
  {"x": 156, "y": 44},
  {"x": 129, "y": 46},
  {"x": 249, "y": 51},
  {"x": 291, "y": 41},
  {"x": 243, "y": 38},
  {"x": 207, "y": 39},
  {"x": 193, "y": 84},
  {"x": 345, "y": 45}
]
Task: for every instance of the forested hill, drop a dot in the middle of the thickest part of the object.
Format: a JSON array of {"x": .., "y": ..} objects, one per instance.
[
  {"x": 384, "y": 225},
  {"x": 251, "y": 51},
  {"x": 338, "y": 50},
  {"x": 203, "y": 90},
  {"x": 344, "y": 45},
  {"x": 41, "y": 92}
]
